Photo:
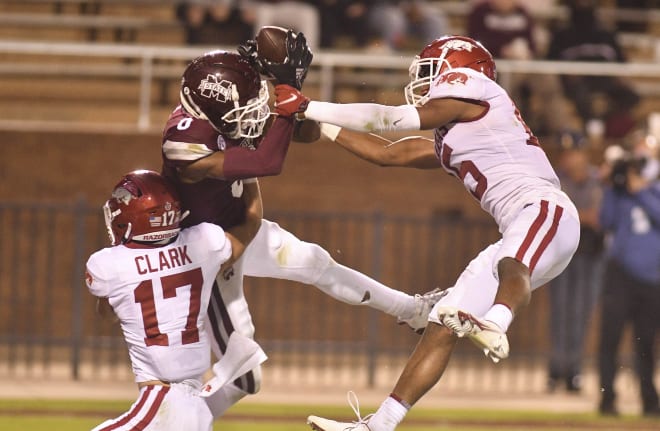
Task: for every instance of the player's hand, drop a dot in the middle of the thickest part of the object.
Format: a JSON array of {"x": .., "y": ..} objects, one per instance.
[
  {"x": 294, "y": 68},
  {"x": 289, "y": 101},
  {"x": 248, "y": 50}
]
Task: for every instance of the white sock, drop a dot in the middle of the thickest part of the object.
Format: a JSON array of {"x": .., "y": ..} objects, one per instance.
[
  {"x": 225, "y": 397},
  {"x": 500, "y": 315},
  {"x": 389, "y": 414}
]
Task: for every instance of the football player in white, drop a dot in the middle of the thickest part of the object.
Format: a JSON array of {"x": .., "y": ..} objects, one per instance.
[
  {"x": 480, "y": 138},
  {"x": 157, "y": 280}
]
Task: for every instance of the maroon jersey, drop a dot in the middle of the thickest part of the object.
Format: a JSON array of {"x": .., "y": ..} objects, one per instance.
[{"x": 186, "y": 139}]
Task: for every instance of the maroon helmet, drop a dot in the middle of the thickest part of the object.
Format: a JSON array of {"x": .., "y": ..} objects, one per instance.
[
  {"x": 448, "y": 52},
  {"x": 144, "y": 207},
  {"x": 223, "y": 88}
]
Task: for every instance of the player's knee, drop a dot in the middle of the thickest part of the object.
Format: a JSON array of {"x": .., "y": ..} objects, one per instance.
[{"x": 310, "y": 258}]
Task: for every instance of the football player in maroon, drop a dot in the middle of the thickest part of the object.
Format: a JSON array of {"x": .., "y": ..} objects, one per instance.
[{"x": 215, "y": 145}]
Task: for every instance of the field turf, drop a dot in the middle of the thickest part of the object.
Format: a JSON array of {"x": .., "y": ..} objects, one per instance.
[{"x": 79, "y": 415}]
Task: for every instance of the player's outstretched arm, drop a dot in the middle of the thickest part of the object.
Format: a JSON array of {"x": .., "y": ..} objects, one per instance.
[
  {"x": 413, "y": 152},
  {"x": 236, "y": 163},
  {"x": 373, "y": 117}
]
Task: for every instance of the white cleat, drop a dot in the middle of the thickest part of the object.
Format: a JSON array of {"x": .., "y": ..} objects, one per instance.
[
  {"x": 321, "y": 424},
  {"x": 423, "y": 306},
  {"x": 484, "y": 334}
]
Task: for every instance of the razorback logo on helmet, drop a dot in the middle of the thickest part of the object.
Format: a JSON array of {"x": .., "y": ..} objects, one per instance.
[
  {"x": 212, "y": 89},
  {"x": 88, "y": 278},
  {"x": 458, "y": 45},
  {"x": 453, "y": 78},
  {"x": 123, "y": 195}
]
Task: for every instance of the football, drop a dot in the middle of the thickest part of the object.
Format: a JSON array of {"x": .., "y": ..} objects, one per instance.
[{"x": 271, "y": 43}]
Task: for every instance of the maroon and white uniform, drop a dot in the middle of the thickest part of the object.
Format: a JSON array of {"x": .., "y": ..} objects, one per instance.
[
  {"x": 186, "y": 139},
  {"x": 502, "y": 165},
  {"x": 160, "y": 296}
]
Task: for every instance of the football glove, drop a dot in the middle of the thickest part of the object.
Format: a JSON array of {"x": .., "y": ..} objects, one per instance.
[
  {"x": 289, "y": 100},
  {"x": 248, "y": 50},
  {"x": 294, "y": 68}
]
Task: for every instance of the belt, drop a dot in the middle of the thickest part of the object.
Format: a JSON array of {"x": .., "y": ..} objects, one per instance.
[{"x": 153, "y": 383}]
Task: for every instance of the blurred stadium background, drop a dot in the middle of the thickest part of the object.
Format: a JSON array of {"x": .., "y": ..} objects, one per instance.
[{"x": 85, "y": 88}]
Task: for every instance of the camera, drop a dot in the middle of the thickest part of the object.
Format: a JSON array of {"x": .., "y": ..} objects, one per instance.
[{"x": 621, "y": 169}]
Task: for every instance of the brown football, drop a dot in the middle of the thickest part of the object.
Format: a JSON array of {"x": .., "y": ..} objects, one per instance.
[{"x": 271, "y": 43}]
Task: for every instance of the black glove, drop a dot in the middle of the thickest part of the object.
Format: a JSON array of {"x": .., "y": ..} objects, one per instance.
[
  {"x": 248, "y": 50},
  {"x": 294, "y": 68}
]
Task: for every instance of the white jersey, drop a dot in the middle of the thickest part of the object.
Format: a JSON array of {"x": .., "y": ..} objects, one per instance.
[
  {"x": 496, "y": 156},
  {"x": 160, "y": 296}
]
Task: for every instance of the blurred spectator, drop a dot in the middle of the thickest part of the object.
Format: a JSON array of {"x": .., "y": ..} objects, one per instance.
[
  {"x": 300, "y": 16},
  {"x": 506, "y": 29},
  {"x": 344, "y": 18},
  {"x": 575, "y": 291},
  {"x": 630, "y": 214},
  {"x": 603, "y": 103},
  {"x": 213, "y": 22},
  {"x": 397, "y": 24}
]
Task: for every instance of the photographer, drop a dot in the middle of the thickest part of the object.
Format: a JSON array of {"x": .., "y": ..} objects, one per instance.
[{"x": 630, "y": 215}]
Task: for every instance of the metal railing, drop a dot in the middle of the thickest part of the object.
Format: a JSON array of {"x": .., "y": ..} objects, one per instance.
[
  {"x": 48, "y": 325},
  {"x": 147, "y": 63}
]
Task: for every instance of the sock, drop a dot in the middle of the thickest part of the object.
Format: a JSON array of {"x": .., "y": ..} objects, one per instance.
[
  {"x": 226, "y": 397},
  {"x": 389, "y": 414},
  {"x": 501, "y": 315}
]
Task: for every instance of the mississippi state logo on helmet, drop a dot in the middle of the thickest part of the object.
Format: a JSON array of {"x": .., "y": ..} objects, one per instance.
[
  {"x": 223, "y": 88},
  {"x": 144, "y": 207},
  {"x": 448, "y": 52}
]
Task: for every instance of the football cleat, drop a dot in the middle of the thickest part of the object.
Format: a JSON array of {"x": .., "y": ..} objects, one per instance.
[
  {"x": 484, "y": 334},
  {"x": 423, "y": 305},
  {"x": 321, "y": 424}
]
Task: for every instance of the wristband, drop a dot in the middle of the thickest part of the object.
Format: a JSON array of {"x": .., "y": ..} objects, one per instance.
[{"x": 330, "y": 131}]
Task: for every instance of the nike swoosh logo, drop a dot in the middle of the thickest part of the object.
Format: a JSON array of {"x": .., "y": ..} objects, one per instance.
[
  {"x": 289, "y": 99},
  {"x": 397, "y": 121}
]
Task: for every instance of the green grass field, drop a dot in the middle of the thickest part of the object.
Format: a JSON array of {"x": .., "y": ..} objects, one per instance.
[{"x": 78, "y": 415}]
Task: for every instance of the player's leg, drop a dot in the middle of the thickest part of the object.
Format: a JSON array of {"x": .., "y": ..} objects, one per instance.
[
  {"x": 157, "y": 408},
  {"x": 646, "y": 303},
  {"x": 614, "y": 313},
  {"x": 534, "y": 249},
  {"x": 228, "y": 312},
  {"x": 423, "y": 370},
  {"x": 276, "y": 253}
]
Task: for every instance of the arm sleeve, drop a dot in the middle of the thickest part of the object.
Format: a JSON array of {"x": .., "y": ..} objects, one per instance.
[
  {"x": 96, "y": 281},
  {"x": 217, "y": 240},
  {"x": 266, "y": 160},
  {"x": 365, "y": 117}
]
